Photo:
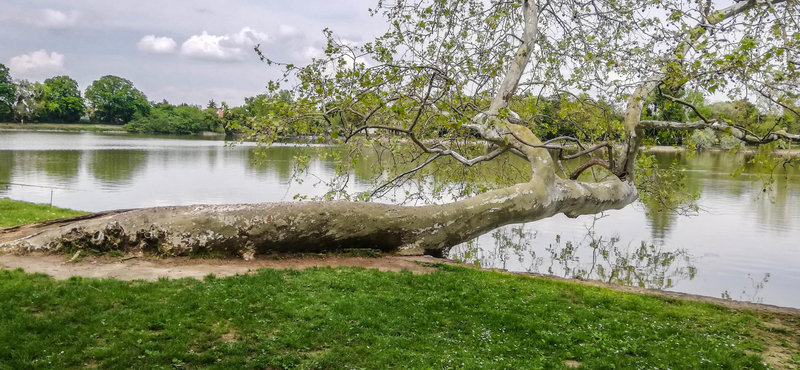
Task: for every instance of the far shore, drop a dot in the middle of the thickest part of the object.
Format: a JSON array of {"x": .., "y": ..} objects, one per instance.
[
  {"x": 118, "y": 129},
  {"x": 675, "y": 149},
  {"x": 84, "y": 127},
  {"x": 62, "y": 127}
]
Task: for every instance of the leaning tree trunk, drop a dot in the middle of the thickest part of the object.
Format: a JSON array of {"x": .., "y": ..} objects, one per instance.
[{"x": 315, "y": 226}]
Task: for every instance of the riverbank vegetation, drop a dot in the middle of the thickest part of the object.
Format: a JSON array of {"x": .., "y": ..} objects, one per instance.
[
  {"x": 13, "y": 213},
  {"x": 170, "y": 119}
]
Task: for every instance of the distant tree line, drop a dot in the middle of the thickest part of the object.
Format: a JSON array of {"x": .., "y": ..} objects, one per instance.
[
  {"x": 109, "y": 100},
  {"x": 114, "y": 100}
]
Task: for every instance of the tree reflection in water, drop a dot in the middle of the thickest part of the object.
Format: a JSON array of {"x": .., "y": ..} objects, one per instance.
[
  {"x": 746, "y": 295},
  {"x": 595, "y": 257}
]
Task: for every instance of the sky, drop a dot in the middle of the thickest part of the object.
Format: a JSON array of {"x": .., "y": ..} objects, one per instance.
[{"x": 179, "y": 50}]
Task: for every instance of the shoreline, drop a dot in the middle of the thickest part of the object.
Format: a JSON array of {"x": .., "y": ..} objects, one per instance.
[
  {"x": 62, "y": 127},
  {"x": 748, "y": 150},
  {"x": 150, "y": 268},
  {"x": 103, "y": 129},
  {"x": 57, "y": 130}
]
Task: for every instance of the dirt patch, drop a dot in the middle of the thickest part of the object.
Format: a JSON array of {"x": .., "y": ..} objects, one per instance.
[
  {"x": 780, "y": 343},
  {"x": 229, "y": 337},
  {"x": 572, "y": 363},
  {"x": 175, "y": 268}
]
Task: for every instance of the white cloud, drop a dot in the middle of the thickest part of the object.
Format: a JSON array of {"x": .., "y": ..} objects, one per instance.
[
  {"x": 223, "y": 48},
  {"x": 231, "y": 47},
  {"x": 211, "y": 47},
  {"x": 157, "y": 45},
  {"x": 36, "y": 62},
  {"x": 55, "y": 19}
]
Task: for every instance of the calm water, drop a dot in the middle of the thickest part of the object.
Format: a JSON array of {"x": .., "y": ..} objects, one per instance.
[{"x": 744, "y": 244}]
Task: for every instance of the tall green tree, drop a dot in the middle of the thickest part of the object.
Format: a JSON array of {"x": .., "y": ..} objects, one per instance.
[
  {"x": 8, "y": 93},
  {"x": 115, "y": 100},
  {"x": 61, "y": 100}
]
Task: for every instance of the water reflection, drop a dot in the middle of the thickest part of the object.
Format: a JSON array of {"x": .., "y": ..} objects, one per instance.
[
  {"x": 6, "y": 167},
  {"x": 751, "y": 292},
  {"x": 592, "y": 257},
  {"x": 61, "y": 165},
  {"x": 275, "y": 161},
  {"x": 117, "y": 167},
  {"x": 660, "y": 223}
]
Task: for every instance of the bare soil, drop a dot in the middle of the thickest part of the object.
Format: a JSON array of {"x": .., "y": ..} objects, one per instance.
[{"x": 146, "y": 268}]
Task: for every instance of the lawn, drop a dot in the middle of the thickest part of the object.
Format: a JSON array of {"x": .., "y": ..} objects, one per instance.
[
  {"x": 14, "y": 212},
  {"x": 346, "y": 318}
]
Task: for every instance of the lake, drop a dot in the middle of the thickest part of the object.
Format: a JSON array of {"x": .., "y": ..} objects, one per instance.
[{"x": 744, "y": 244}]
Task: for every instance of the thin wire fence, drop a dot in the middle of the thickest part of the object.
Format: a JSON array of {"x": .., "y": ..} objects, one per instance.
[{"x": 52, "y": 189}]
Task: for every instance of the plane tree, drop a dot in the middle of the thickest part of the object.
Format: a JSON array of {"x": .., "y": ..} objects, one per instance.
[{"x": 433, "y": 98}]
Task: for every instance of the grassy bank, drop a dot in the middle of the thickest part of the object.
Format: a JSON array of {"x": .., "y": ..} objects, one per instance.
[
  {"x": 352, "y": 318},
  {"x": 13, "y": 213},
  {"x": 70, "y": 127}
]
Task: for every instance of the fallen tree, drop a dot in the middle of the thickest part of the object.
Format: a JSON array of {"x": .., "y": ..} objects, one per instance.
[{"x": 454, "y": 67}]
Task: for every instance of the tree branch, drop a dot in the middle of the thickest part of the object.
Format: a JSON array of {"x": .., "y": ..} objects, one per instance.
[
  {"x": 588, "y": 164},
  {"x": 687, "y": 104},
  {"x": 415, "y": 169},
  {"x": 587, "y": 151}
]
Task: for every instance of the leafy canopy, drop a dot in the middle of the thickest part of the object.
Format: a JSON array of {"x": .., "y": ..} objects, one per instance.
[
  {"x": 8, "y": 93},
  {"x": 414, "y": 92},
  {"x": 115, "y": 100},
  {"x": 61, "y": 100}
]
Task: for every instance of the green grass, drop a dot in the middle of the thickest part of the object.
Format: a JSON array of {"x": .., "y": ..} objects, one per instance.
[
  {"x": 346, "y": 318},
  {"x": 62, "y": 127},
  {"x": 13, "y": 213}
]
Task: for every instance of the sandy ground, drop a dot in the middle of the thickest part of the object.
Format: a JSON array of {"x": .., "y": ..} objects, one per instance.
[
  {"x": 59, "y": 267},
  {"x": 144, "y": 268}
]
